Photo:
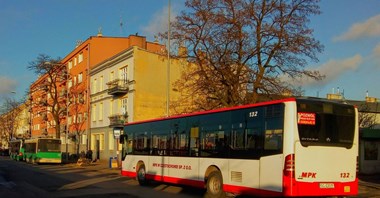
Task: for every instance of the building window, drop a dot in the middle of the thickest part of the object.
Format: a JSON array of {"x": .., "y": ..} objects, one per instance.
[
  {"x": 93, "y": 141},
  {"x": 75, "y": 61},
  {"x": 111, "y": 107},
  {"x": 101, "y": 141},
  {"x": 80, "y": 120},
  {"x": 94, "y": 86},
  {"x": 70, "y": 64},
  {"x": 84, "y": 139},
  {"x": 80, "y": 57},
  {"x": 123, "y": 74},
  {"x": 111, "y": 141},
  {"x": 93, "y": 113},
  {"x": 112, "y": 76},
  {"x": 80, "y": 77},
  {"x": 124, "y": 104},
  {"x": 370, "y": 150},
  {"x": 101, "y": 111},
  {"x": 70, "y": 83},
  {"x": 101, "y": 83}
]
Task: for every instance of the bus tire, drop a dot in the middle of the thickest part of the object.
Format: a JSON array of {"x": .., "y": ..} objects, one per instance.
[
  {"x": 141, "y": 175},
  {"x": 215, "y": 185}
]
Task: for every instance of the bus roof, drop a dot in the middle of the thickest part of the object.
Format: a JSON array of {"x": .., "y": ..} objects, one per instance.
[{"x": 214, "y": 111}]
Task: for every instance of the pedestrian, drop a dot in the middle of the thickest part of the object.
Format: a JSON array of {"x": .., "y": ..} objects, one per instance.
[{"x": 89, "y": 155}]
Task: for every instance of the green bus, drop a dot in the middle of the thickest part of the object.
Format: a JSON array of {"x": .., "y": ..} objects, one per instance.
[
  {"x": 16, "y": 150},
  {"x": 43, "y": 150}
]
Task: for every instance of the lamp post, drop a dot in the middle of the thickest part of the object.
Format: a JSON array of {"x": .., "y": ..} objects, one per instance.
[
  {"x": 168, "y": 67},
  {"x": 67, "y": 116}
]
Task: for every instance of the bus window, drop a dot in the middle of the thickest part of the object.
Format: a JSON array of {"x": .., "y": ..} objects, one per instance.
[
  {"x": 322, "y": 124},
  {"x": 142, "y": 144},
  {"x": 123, "y": 140},
  {"x": 47, "y": 145},
  {"x": 194, "y": 141},
  {"x": 238, "y": 137},
  {"x": 273, "y": 140},
  {"x": 214, "y": 144}
]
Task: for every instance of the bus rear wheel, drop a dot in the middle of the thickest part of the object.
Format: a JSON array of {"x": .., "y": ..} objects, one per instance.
[
  {"x": 215, "y": 185},
  {"x": 141, "y": 175}
]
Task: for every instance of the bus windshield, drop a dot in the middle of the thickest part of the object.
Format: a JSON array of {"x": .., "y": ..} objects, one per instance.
[
  {"x": 325, "y": 124},
  {"x": 47, "y": 145}
]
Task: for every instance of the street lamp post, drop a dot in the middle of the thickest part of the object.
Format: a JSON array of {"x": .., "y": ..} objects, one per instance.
[
  {"x": 67, "y": 116},
  {"x": 168, "y": 67}
]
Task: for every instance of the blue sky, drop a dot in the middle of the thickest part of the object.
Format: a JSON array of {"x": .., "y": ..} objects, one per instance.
[{"x": 349, "y": 30}]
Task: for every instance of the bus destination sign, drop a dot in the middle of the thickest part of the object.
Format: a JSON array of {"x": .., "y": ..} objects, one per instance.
[{"x": 306, "y": 118}]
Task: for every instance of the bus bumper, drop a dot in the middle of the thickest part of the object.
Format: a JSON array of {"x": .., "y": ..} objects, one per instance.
[
  {"x": 47, "y": 160},
  {"x": 296, "y": 188}
]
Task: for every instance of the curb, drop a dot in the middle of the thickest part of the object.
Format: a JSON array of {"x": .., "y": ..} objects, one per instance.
[{"x": 369, "y": 184}]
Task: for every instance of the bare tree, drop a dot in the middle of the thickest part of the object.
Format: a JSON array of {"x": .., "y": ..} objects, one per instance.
[
  {"x": 49, "y": 92},
  {"x": 77, "y": 113},
  {"x": 10, "y": 111},
  {"x": 367, "y": 119},
  {"x": 240, "y": 49}
]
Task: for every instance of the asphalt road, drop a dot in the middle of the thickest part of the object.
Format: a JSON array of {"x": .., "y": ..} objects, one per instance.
[{"x": 19, "y": 179}]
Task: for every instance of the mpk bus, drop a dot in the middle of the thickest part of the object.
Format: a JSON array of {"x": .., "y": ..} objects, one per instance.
[
  {"x": 289, "y": 147},
  {"x": 16, "y": 149},
  {"x": 43, "y": 150}
]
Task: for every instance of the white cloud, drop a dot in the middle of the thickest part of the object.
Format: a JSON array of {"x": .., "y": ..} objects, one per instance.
[
  {"x": 7, "y": 85},
  {"x": 332, "y": 70},
  {"x": 159, "y": 21},
  {"x": 369, "y": 28},
  {"x": 376, "y": 51},
  {"x": 375, "y": 55}
]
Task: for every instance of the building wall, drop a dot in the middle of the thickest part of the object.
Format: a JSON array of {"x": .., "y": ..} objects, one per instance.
[
  {"x": 22, "y": 120},
  {"x": 369, "y": 154},
  {"x": 145, "y": 99},
  {"x": 78, "y": 62},
  {"x": 150, "y": 74}
]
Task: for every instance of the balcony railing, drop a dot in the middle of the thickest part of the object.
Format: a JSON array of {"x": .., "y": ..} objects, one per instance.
[
  {"x": 118, "y": 87},
  {"x": 117, "y": 120}
]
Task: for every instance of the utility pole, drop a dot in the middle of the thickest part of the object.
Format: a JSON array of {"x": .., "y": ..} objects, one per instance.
[{"x": 168, "y": 66}]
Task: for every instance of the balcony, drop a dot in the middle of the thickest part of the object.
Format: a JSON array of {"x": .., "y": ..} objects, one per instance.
[
  {"x": 118, "y": 87},
  {"x": 117, "y": 120}
]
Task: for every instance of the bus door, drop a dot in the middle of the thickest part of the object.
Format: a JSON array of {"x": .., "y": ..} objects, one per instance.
[{"x": 271, "y": 169}]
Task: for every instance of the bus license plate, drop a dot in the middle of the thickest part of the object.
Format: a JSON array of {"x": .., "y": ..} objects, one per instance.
[{"x": 326, "y": 185}]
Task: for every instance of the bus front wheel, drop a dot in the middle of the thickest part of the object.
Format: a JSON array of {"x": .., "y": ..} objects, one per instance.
[
  {"x": 141, "y": 175},
  {"x": 215, "y": 185}
]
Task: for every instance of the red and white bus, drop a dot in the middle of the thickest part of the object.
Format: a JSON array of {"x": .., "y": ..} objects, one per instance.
[{"x": 289, "y": 147}]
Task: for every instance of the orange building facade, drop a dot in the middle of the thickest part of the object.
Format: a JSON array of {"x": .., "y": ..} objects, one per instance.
[{"x": 74, "y": 71}]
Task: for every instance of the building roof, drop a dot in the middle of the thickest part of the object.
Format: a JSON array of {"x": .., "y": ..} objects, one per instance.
[{"x": 364, "y": 106}]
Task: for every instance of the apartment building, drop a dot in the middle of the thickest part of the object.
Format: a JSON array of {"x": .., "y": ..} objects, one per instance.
[
  {"x": 15, "y": 121},
  {"x": 130, "y": 86},
  {"x": 73, "y": 91}
]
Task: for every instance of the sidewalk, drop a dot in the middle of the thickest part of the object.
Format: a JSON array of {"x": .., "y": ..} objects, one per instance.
[
  {"x": 99, "y": 165},
  {"x": 370, "y": 180}
]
